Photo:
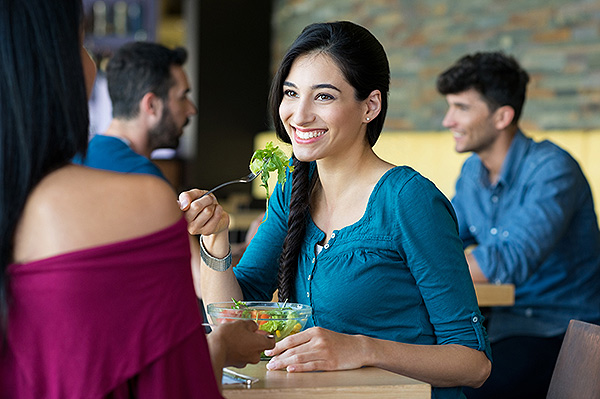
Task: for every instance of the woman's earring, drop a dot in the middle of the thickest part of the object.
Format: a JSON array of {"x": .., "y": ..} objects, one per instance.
[{"x": 368, "y": 119}]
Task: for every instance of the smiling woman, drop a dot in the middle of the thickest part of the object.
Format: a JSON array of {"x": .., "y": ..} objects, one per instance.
[
  {"x": 348, "y": 227},
  {"x": 319, "y": 110}
]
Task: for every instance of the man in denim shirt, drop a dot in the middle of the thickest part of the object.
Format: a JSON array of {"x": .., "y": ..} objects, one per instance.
[{"x": 526, "y": 209}]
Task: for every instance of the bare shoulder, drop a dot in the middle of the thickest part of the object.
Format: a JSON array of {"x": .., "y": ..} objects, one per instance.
[{"x": 78, "y": 207}]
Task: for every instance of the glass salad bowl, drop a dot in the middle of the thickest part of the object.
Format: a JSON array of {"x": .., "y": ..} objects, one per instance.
[{"x": 278, "y": 318}]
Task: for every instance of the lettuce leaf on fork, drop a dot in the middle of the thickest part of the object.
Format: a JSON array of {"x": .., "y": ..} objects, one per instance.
[{"x": 270, "y": 159}]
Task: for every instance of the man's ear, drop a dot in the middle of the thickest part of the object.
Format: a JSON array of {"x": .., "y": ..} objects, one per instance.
[
  {"x": 151, "y": 105},
  {"x": 503, "y": 117}
]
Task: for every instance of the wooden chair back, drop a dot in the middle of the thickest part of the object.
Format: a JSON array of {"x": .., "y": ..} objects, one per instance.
[{"x": 577, "y": 370}]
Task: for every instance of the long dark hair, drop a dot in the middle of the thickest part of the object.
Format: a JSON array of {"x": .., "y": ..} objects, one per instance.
[
  {"x": 43, "y": 105},
  {"x": 364, "y": 64}
]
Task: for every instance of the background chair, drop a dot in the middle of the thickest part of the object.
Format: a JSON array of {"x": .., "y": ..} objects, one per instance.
[{"x": 577, "y": 370}]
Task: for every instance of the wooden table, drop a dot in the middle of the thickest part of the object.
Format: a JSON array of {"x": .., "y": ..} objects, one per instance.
[
  {"x": 367, "y": 382},
  {"x": 495, "y": 294}
]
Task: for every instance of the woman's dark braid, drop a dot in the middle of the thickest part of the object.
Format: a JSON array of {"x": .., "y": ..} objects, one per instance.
[{"x": 299, "y": 205}]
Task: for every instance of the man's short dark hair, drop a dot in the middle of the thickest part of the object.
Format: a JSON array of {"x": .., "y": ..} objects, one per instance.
[
  {"x": 138, "y": 68},
  {"x": 497, "y": 77}
]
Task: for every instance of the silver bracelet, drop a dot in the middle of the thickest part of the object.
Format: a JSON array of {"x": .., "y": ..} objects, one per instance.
[{"x": 217, "y": 264}]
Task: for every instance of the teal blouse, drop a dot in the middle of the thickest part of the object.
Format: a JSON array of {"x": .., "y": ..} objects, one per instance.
[{"x": 399, "y": 273}]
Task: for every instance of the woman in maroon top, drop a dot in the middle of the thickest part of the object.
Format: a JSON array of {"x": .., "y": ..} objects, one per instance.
[{"x": 96, "y": 293}]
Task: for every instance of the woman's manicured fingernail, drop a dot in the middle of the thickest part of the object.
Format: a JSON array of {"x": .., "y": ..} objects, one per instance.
[
  {"x": 272, "y": 365},
  {"x": 183, "y": 203}
]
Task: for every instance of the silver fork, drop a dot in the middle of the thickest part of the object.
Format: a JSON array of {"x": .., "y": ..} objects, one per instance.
[{"x": 245, "y": 179}]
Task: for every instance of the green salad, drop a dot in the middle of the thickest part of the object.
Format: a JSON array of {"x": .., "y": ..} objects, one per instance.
[
  {"x": 280, "y": 322},
  {"x": 270, "y": 159}
]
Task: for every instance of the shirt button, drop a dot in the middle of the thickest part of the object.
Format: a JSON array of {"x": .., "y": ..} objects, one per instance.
[
  {"x": 472, "y": 229},
  {"x": 308, "y": 295},
  {"x": 326, "y": 246},
  {"x": 493, "y": 231},
  {"x": 309, "y": 277},
  {"x": 505, "y": 234},
  {"x": 332, "y": 235},
  {"x": 494, "y": 198},
  {"x": 475, "y": 319},
  {"x": 313, "y": 260},
  {"x": 528, "y": 312}
]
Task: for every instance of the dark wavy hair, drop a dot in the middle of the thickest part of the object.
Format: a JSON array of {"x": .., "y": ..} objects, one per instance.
[
  {"x": 43, "y": 105},
  {"x": 138, "y": 68},
  {"x": 364, "y": 64},
  {"x": 497, "y": 77}
]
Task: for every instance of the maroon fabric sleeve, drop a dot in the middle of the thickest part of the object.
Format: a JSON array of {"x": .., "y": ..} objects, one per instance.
[{"x": 108, "y": 321}]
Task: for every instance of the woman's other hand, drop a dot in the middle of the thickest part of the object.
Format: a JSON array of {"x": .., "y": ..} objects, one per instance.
[
  {"x": 239, "y": 342},
  {"x": 204, "y": 216},
  {"x": 316, "y": 349}
]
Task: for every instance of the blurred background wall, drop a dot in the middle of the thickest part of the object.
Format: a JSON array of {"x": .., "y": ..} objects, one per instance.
[
  {"x": 556, "y": 41},
  {"x": 235, "y": 45}
]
